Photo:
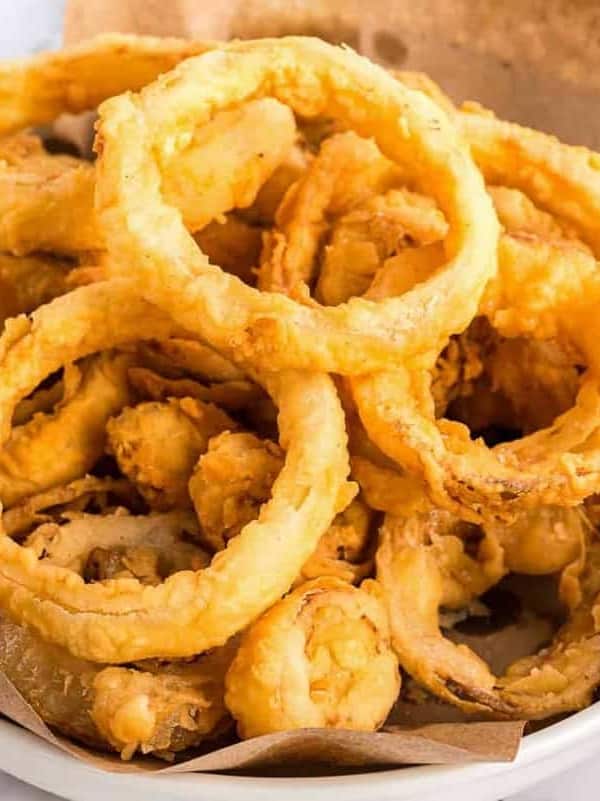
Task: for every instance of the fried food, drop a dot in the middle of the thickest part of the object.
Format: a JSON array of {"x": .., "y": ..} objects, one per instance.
[
  {"x": 427, "y": 556},
  {"x": 122, "y": 620},
  {"x": 232, "y": 481},
  {"x": 556, "y": 465},
  {"x": 370, "y": 234},
  {"x": 230, "y": 395},
  {"x": 344, "y": 551},
  {"x": 433, "y": 547},
  {"x": 99, "y": 316},
  {"x": 53, "y": 449},
  {"x": 563, "y": 677},
  {"x": 320, "y": 657},
  {"x": 47, "y": 201},
  {"x": 61, "y": 502},
  {"x": 116, "y": 546},
  {"x": 36, "y": 90},
  {"x": 560, "y": 179},
  {"x": 29, "y": 282},
  {"x": 157, "y": 710},
  {"x": 157, "y": 445},
  {"x": 178, "y": 471},
  {"x": 269, "y": 328}
]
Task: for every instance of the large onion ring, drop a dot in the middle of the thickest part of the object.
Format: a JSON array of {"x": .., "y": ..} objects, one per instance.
[
  {"x": 137, "y": 133},
  {"x": 121, "y": 620}
]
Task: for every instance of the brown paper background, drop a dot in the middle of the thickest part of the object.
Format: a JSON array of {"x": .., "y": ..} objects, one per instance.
[{"x": 535, "y": 62}]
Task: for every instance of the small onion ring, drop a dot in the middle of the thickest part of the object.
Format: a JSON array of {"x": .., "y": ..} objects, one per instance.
[
  {"x": 36, "y": 90},
  {"x": 321, "y": 657},
  {"x": 138, "y": 132}
]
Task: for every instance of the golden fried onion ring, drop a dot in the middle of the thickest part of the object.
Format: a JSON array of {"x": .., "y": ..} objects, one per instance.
[
  {"x": 36, "y": 90},
  {"x": 121, "y": 620},
  {"x": 419, "y": 557},
  {"x": 319, "y": 658},
  {"x": 138, "y": 133}
]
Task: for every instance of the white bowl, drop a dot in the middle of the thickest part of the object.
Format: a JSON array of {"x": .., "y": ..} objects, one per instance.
[{"x": 542, "y": 756}]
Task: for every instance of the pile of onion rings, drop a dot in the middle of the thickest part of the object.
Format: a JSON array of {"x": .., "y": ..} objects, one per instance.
[{"x": 292, "y": 377}]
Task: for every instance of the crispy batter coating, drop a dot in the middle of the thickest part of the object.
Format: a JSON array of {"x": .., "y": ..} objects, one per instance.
[
  {"x": 36, "y": 90},
  {"x": 230, "y": 395},
  {"x": 234, "y": 478},
  {"x": 428, "y": 556},
  {"x": 319, "y": 657},
  {"x": 231, "y": 482},
  {"x": 523, "y": 384},
  {"x": 100, "y": 316},
  {"x": 149, "y": 548},
  {"x": 53, "y": 449},
  {"x": 156, "y": 446},
  {"x": 344, "y": 551},
  {"x": 121, "y": 619},
  {"x": 365, "y": 237},
  {"x": 269, "y": 329},
  {"x": 543, "y": 289},
  {"x": 47, "y": 201},
  {"x": 155, "y": 709},
  {"x": 560, "y": 179},
  {"x": 347, "y": 172},
  {"x": 59, "y": 502},
  {"x": 563, "y": 677},
  {"x": 29, "y": 282}
]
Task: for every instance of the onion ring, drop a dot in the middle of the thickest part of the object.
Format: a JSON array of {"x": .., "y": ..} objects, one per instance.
[
  {"x": 36, "y": 90},
  {"x": 100, "y": 316},
  {"x": 466, "y": 476},
  {"x": 135, "y": 134},
  {"x": 190, "y": 612},
  {"x": 318, "y": 658},
  {"x": 416, "y": 556}
]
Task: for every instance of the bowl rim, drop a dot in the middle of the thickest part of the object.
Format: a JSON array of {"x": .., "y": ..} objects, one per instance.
[{"x": 33, "y": 760}]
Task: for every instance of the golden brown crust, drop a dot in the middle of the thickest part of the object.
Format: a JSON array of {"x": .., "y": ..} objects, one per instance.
[{"x": 319, "y": 657}]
